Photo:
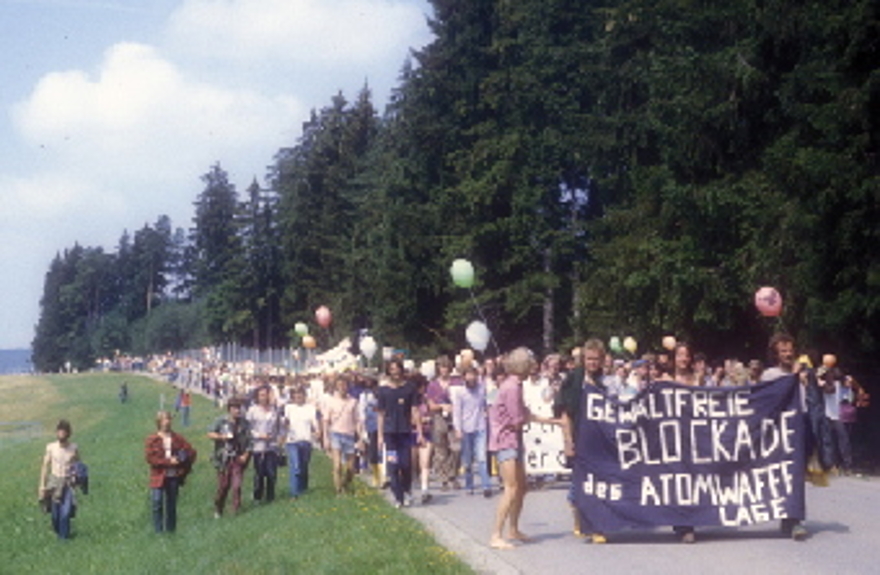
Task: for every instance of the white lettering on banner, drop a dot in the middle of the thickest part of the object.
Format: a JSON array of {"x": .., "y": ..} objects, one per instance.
[
  {"x": 674, "y": 403},
  {"x": 602, "y": 489},
  {"x": 633, "y": 445},
  {"x": 745, "y": 489}
]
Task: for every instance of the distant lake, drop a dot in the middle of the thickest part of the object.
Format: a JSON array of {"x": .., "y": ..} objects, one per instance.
[{"x": 15, "y": 361}]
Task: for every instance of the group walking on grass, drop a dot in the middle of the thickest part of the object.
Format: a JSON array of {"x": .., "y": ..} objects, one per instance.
[{"x": 450, "y": 430}]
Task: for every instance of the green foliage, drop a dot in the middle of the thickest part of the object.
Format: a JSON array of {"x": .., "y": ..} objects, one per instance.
[{"x": 607, "y": 166}]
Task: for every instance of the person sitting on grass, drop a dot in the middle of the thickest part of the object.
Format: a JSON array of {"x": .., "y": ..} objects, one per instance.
[
  {"x": 57, "y": 478},
  {"x": 171, "y": 458}
]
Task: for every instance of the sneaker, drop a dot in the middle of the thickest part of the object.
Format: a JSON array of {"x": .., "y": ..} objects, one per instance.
[
  {"x": 799, "y": 532},
  {"x": 426, "y": 498},
  {"x": 407, "y": 499},
  {"x": 487, "y": 493},
  {"x": 598, "y": 538},
  {"x": 398, "y": 504},
  {"x": 217, "y": 515},
  {"x": 688, "y": 537}
]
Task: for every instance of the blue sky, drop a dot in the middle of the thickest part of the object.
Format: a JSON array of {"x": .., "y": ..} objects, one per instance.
[{"x": 113, "y": 109}]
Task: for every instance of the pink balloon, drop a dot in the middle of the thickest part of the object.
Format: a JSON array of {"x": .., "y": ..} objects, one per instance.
[
  {"x": 768, "y": 301},
  {"x": 323, "y": 316}
]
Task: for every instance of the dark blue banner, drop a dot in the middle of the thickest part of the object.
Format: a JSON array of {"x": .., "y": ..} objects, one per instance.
[{"x": 678, "y": 455}]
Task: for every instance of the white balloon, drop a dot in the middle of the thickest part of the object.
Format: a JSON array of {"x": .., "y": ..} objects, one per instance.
[
  {"x": 478, "y": 335},
  {"x": 368, "y": 346},
  {"x": 428, "y": 368}
]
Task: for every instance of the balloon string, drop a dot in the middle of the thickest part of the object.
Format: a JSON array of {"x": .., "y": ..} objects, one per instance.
[{"x": 485, "y": 322}]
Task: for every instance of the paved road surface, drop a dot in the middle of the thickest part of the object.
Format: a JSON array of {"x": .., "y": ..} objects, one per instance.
[{"x": 843, "y": 520}]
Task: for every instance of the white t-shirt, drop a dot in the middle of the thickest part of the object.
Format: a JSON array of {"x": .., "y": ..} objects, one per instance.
[{"x": 302, "y": 421}]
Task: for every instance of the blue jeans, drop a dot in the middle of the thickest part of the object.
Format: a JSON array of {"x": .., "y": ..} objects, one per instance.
[
  {"x": 165, "y": 499},
  {"x": 473, "y": 451},
  {"x": 185, "y": 412},
  {"x": 298, "y": 456},
  {"x": 398, "y": 463},
  {"x": 265, "y": 474},
  {"x": 61, "y": 511}
]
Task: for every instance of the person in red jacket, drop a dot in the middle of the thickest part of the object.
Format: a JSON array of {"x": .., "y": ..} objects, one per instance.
[{"x": 171, "y": 458}]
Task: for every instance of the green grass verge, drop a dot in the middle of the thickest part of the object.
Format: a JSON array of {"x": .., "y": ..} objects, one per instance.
[{"x": 319, "y": 533}]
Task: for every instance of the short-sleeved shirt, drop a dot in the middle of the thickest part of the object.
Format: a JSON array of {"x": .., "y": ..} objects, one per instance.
[
  {"x": 396, "y": 403},
  {"x": 263, "y": 421},
  {"x": 507, "y": 416},
  {"x": 302, "y": 420}
]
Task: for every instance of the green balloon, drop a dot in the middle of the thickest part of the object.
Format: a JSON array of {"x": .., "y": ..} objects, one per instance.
[
  {"x": 300, "y": 328},
  {"x": 615, "y": 345},
  {"x": 462, "y": 273}
]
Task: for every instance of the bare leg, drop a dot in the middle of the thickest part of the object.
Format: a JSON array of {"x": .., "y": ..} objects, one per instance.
[
  {"x": 507, "y": 469},
  {"x": 517, "y": 504},
  {"x": 425, "y": 465},
  {"x": 337, "y": 469}
]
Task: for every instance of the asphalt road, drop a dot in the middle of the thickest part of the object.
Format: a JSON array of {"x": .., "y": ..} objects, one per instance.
[{"x": 843, "y": 521}]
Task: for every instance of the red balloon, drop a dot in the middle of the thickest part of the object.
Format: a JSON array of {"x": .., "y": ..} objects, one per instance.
[
  {"x": 323, "y": 316},
  {"x": 768, "y": 301}
]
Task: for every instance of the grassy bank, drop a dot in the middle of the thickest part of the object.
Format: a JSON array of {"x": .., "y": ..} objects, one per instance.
[{"x": 319, "y": 533}]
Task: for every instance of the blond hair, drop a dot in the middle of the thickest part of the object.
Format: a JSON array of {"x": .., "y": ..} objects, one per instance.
[
  {"x": 160, "y": 415},
  {"x": 519, "y": 361}
]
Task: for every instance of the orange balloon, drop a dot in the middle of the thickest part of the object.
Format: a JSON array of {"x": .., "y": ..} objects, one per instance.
[
  {"x": 829, "y": 360},
  {"x": 309, "y": 342}
]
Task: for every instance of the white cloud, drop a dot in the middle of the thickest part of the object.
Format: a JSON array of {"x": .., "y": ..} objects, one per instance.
[
  {"x": 140, "y": 118},
  {"x": 316, "y": 32},
  {"x": 102, "y": 148}
]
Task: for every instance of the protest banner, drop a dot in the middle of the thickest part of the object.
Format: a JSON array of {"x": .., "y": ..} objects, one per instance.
[
  {"x": 542, "y": 442},
  {"x": 679, "y": 455}
]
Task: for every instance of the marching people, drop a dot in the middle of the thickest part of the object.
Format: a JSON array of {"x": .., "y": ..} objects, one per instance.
[
  {"x": 58, "y": 478},
  {"x": 568, "y": 406},
  {"x": 263, "y": 420},
  {"x": 507, "y": 417},
  {"x": 301, "y": 420},
  {"x": 367, "y": 403},
  {"x": 447, "y": 450},
  {"x": 342, "y": 432},
  {"x": 686, "y": 372},
  {"x": 232, "y": 451},
  {"x": 405, "y": 431},
  {"x": 837, "y": 394},
  {"x": 184, "y": 405},
  {"x": 469, "y": 421},
  {"x": 170, "y": 457},
  {"x": 781, "y": 350},
  {"x": 398, "y": 417},
  {"x": 422, "y": 450}
]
